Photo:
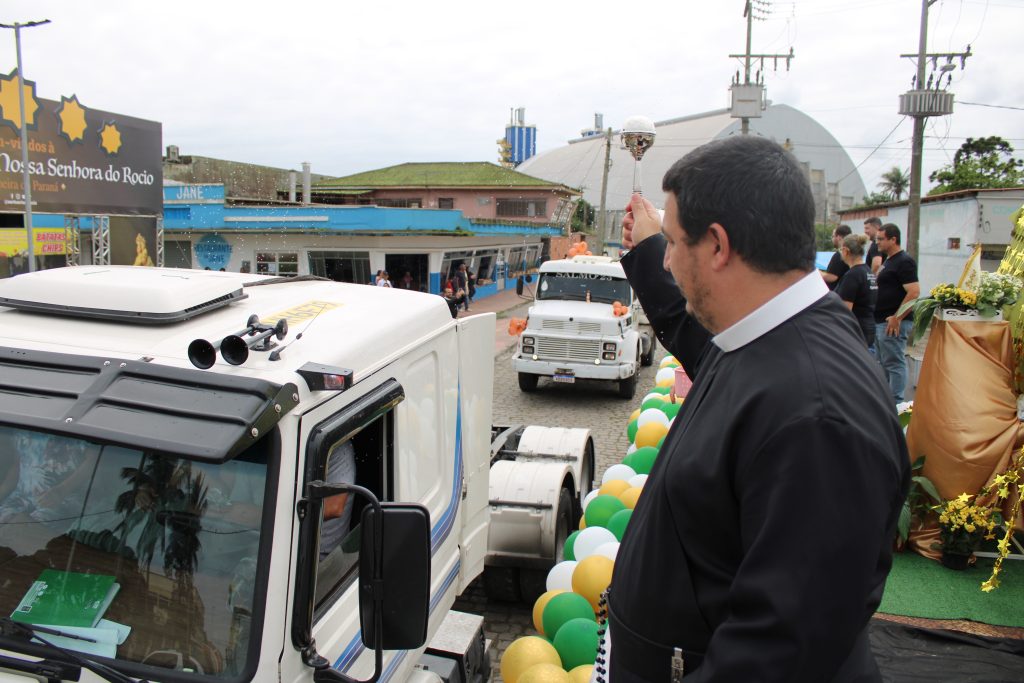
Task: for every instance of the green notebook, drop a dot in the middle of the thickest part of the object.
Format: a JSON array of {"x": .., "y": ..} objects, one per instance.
[{"x": 59, "y": 598}]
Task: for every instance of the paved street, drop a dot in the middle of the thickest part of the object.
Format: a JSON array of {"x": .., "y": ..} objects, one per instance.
[{"x": 589, "y": 404}]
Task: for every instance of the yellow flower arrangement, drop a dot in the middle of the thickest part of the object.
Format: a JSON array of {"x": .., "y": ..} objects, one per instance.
[
  {"x": 1002, "y": 483},
  {"x": 962, "y": 524}
]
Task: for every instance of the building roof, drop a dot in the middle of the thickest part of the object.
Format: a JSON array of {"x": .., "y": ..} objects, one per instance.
[
  {"x": 925, "y": 199},
  {"x": 579, "y": 163},
  {"x": 437, "y": 174}
]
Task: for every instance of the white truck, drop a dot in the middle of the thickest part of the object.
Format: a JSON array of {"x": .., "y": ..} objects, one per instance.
[
  {"x": 207, "y": 480},
  {"x": 575, "y": 331}
]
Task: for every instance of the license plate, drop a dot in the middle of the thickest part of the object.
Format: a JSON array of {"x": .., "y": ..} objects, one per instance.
[{"x": 566, "y": 377}]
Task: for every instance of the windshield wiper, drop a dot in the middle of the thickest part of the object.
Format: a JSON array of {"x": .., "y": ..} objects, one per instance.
[{"x": 9, "y": 627}]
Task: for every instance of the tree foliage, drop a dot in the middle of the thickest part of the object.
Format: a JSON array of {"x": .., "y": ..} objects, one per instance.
[
  {"x": 894, "y": 183},
  {"x": 584, "y": 216},
  {"x": 983, "y": 163}
]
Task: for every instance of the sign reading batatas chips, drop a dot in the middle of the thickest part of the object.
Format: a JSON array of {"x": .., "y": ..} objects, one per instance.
[{"x": 80, "y": 160}]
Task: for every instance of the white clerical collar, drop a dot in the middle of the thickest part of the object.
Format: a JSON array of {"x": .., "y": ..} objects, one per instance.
[{"x": 773, "y": 313}]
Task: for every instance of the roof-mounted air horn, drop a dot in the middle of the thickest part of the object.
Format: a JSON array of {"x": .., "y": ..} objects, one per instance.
[{"x": 234, "y": 348}]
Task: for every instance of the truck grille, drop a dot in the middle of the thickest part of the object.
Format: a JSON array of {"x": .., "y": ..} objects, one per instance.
[
  {"x": 575, "y": 327},
  {"x": 569, "y": 349}
]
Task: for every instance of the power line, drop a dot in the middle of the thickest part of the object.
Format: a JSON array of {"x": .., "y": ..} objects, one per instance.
[
  {"x": 898, "y": 123},
  {"x": 994, "y": 106}
]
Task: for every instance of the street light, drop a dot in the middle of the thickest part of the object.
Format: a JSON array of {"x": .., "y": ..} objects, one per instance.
[{"x": 17, "y": 26}]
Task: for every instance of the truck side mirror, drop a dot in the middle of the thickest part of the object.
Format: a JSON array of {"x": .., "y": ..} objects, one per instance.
[
  {"x": 519, "y": 285},
  {"x": 394, "y": 598}
]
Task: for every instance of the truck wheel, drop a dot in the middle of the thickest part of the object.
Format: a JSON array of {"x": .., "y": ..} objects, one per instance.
[
  {"x": 648, "y": 358},
  {"x": 533, "y": 582},
  {"x": 528, "y": 381},
  {"x": 627, "y": 387},
  {"x": 502, "y": 583}
]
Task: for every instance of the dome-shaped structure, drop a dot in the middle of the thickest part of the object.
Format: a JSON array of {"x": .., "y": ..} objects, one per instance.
[{"x": 579, "y": 164}]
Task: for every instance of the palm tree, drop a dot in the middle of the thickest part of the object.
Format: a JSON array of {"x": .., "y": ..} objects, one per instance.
[{"x": 895, "y": 182}]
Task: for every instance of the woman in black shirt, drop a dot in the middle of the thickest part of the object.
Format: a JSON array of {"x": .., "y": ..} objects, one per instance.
[{"x": 858, "y": 288}]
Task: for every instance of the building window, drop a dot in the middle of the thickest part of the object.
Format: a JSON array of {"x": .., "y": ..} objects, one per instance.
[
  {"x": 341, "y": 266},
  {"x": 446, "y": 203},
  {"x": 282, "y": 263},
  {"x": 953, "y": 243},
  {"x": 522, "y": 208},
  {"x": 416, "y": 203}
]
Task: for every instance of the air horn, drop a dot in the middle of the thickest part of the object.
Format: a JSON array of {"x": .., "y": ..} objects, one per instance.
[{"x": 234, "y": 347}]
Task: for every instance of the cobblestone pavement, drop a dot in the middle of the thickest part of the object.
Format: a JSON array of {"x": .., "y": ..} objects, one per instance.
[{"x": 587, "y": 403}]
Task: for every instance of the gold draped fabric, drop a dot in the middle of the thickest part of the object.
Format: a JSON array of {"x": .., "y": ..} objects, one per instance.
[{"x": 965, "y": 413}]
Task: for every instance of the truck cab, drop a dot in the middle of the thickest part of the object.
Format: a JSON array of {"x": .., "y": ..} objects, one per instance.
[
  {"x": 197, "y": 436},
  {"x": 584, "y": 324}
]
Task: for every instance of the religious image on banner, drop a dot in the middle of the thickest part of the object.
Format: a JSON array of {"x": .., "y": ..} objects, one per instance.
[
  {"x": 132, "y": 241},
  {"x": 971, "y": 276},
  {"x": 1013, "y": 264}
]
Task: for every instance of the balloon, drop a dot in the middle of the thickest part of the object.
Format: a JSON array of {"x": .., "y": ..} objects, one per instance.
[
  {"x": 631, "y": 430},
  {"x": 617, "y": 472},
  {"x": 582, "y": 673},
  {"x": 629, "y": 497},
  {"x": 545, "y": 673},
  {"x": 601, "y": 509},
  {"x": 652, "y": 415},
  {"x": 582, "y": 244},
  {"x": 589, "y": 497},
  {"x": 662, "y": 391},
  {"x": 562, "y": 608},
  {"x": 660, "y": 442},
  {"x": 632, "y": 448},
  {"x": 648, "y": 397},
  {"x": 665, "y": 373},
  {"x": 641, "y": 460},
  {"x": 609, "y": 550},
  {"x": 567, "y": 548},
  {"x": 666, "y": 383},
  {"x": 576, "y": 642},
  {"x": 525, "y": 652},
  {"x": 591, "y": 577},
  {"x": 634, "y": 415},
  {"x": 668, "y": 360},
  {"x": 618, "y": 522},
  {"x": 650, "y": 435},
  {"x": 638, "y": 481},
  {"x": 671, "y": 409},
  {"x": 613, "y": 487},
  {"x": 655, "y": 401},
  {"x": 589, "y": 540},
  {"x": 538, "y": 608},
  {"x": 560, "y": 576},
  {"x": 583, "y": 523}
]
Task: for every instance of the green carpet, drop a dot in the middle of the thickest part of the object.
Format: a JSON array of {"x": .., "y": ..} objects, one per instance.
[{"x": 918, "y": 587}]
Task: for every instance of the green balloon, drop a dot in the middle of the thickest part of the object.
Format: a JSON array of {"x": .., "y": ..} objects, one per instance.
[
  {"x": 661, "y": 441},
  {"x": 618, "y": 522},
  {"x": 601, "y": 509},
  {"x": 576, "y": 642},
  {"x": 567, "y": 607},
  {"x": 567, "y": 549},
  {"x": 662, "y": 390},
  {"x": 631, "y": 431},
  {"x": 652, "y": 403},
  {"x": 642, "y": 459},
  {"x": 670, "y": 409}
]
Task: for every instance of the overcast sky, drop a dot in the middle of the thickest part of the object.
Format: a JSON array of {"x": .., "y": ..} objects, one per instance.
[{"x": 352, "y": 86}]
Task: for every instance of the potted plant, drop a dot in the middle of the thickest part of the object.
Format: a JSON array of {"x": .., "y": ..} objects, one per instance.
[
  {"x": 962, "y": 526},
  {"x": 994, "y": 291}
]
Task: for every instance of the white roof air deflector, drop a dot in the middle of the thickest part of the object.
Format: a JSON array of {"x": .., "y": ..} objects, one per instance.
[{"x": 121, "y": 293}]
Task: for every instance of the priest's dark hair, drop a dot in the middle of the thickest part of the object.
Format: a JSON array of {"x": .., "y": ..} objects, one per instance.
[{"x": 757, "y": 191}]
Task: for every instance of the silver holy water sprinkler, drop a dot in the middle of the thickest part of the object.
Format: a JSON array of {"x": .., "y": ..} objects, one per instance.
[{"x": 638, "y": 136}]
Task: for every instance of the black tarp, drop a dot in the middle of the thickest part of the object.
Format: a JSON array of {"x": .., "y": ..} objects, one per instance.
[{"x": 907, "y": 654}]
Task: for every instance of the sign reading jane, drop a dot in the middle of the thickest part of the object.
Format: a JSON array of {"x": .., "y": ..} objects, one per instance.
[{"x": 80, "y": 160}]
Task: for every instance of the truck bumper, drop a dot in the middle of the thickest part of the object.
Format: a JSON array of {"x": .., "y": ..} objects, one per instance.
[{"x": 610, "y": 370}]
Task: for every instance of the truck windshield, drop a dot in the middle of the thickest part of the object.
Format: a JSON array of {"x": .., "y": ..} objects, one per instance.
[
  {"x": 575, "y": 287},
  {"x": 180, "y": 538}
]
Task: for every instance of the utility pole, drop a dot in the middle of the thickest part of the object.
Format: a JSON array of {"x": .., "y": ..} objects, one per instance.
[
  {"x": 24, "y": 136},
  {"x": 603, "y": 211},
  {"x": 748, "y": 97},
  {"x": 920, "y": 102}
]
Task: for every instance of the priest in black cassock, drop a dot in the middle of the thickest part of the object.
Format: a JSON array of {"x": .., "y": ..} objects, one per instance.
[{"x": 760, "y": 545}]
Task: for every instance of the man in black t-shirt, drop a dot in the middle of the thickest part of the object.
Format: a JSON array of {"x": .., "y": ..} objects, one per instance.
[
  {"x": 874, "y": 258},
  {"x": 897, "y": 284},
  {"x": 836, "y": 267}
]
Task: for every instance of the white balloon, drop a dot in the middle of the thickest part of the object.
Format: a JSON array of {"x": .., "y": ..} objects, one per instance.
[
  {"x": 609, "y": 550},
  {"x": 665, "y": 374},
  {"x": 632, "y": 447},
  {"x": 589, "y": 540},
  {"x": 589, "y": 497},
  {"x": 652, "y": 415},
  {"x": 623, "y": 472},
  {"x": 666, "y": 360},
  {"x": 638, "y": 481},
  {"x": 560, "y": 576},
  {"x": 653, "y": 394}
]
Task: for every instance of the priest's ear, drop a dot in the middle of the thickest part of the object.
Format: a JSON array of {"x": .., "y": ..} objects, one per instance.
[{"x": 721, "y": 249}]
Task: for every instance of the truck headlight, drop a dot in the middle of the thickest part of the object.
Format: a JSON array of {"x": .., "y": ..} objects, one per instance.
[
  {"x": 608, "y": 355},
  {"x": 527, "y": 349},
  {"x": 609, "y": 346},
  {"x": 527, "y": 341}
]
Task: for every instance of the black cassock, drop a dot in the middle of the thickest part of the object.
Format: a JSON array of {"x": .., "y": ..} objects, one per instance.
[{"x": 763, "y": 537}]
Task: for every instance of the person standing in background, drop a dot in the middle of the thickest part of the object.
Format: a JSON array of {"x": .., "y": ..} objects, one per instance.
[
  {"x": 858, "y": 288},
  {"x": 836, "y": 266},
  {"x": 897, "y": 285},
  {"x": 874, "y": 258}
]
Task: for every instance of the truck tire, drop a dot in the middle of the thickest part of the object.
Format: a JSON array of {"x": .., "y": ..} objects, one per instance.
[
  {"x": 648, "y": 358},
  {"x": 533, "y": 582},
  {"x": 627, "y": 387},
  {"x": 502, "y": 584},
  {"x": 528, "y": 381}
]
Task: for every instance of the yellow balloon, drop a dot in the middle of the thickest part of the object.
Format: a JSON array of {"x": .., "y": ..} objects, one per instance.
[
  {"x": 613, "y": 487},
  {"x": 538, "y": 609},
  {"x": 582, "y": 673},
  {"x": 545, "y": 673},
  {"x": 634, "y": 415},
  {"x": 591, "y": 576},
  {"x": 630, "y": 496},
  {"x": 664, "y": 383},
  {"x": 583, "y": 523},
  {"x": 524, "y": 653},
  {"x": 650, "y": 434},
  {"x": 668, "y": 360}
]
